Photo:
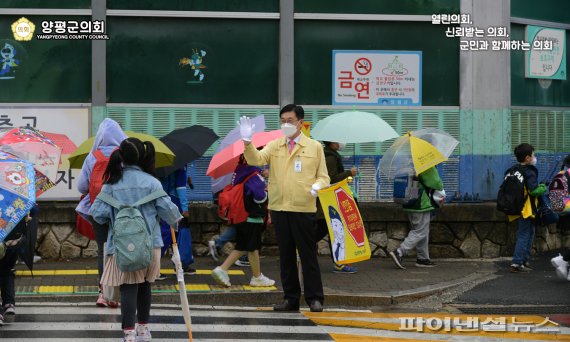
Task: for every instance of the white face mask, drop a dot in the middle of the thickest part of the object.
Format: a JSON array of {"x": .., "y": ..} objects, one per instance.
[
  {"x": 341, "y": 146},
  {"x": 533, "y": 162},
  {"x": 288, "y": 129}
]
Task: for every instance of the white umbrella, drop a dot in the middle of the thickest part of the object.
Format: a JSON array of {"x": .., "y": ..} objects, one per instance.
[{"x": 353, "y": 127}]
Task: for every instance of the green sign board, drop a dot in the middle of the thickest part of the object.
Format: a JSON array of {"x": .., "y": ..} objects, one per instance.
[{"x": 547, "y": 55}]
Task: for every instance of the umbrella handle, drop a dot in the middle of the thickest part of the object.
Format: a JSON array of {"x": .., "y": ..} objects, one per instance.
[{"x": 181, "y": 285}]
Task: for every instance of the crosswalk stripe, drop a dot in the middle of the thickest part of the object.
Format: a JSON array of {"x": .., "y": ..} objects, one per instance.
[{"x": 79, "y": 322}]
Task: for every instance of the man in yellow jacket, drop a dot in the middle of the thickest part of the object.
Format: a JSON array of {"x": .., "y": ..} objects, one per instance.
[{"x": 297, "y": 170}]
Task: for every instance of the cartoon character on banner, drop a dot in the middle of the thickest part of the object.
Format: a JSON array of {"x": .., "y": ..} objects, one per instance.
[
  {"x": 338, "y": 248},
  {"x": 8, "y": 62},
  {"x": 195, "y": 62}
]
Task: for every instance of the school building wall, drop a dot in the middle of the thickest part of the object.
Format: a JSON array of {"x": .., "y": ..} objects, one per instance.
[{"x": 262, "y": 54}]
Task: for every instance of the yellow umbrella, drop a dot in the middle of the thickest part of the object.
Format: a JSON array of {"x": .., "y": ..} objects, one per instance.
[
  {"x": 415, "y": 152},
  {"x": 164, "y": 156}
]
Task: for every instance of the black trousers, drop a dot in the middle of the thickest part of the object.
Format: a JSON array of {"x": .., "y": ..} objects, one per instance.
[
  {"x": 322, "y": 230},
  {"x": 7, "y": 277},
  {"x": 135, "y": 304},
  {"x": 296, "y": 230}
]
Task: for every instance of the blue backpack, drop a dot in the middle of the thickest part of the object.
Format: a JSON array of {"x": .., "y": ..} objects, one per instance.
[{"x": 131, "y": 237}]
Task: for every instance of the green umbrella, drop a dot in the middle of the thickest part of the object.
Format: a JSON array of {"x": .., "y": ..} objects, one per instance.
[
  {"x": 164, "y": 156},
  {"x": 353, "y": 127}
]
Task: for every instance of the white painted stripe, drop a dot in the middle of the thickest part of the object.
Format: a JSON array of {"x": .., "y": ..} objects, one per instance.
[
  {"x": 413, "y": 335},
  {"x": 231, "y": 328},
  {"x": 157, "y": 312},
  {"x": 264, "y": 309}
]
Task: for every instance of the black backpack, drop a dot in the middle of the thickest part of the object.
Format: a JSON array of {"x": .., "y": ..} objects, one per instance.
[{"x": 511, "y": 196}]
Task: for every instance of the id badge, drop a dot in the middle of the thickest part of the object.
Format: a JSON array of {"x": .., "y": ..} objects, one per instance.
[{"x": 298, "y": 165}]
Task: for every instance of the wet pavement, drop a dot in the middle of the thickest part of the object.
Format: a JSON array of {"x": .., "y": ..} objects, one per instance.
[{"x": 377, "y": 282}]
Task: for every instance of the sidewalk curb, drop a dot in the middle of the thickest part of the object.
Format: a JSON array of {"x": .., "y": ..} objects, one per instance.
[{"x": 267, "y": 298}]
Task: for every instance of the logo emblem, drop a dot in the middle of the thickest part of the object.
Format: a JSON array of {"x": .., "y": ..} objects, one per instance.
[{"x": 23, "y": 29}]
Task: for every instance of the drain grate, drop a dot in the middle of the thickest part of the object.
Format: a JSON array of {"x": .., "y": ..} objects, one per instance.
[{"x": 515, "y": 310}]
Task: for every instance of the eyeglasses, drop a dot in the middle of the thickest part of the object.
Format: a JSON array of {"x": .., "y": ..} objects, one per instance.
[{"x": 289, "y": 121}]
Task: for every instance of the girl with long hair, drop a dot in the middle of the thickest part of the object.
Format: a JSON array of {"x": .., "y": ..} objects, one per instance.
[{"x": 130, "y": 177}]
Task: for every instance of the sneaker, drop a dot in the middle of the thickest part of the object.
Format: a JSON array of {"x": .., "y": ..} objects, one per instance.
[
  {"x": 526, "y": 264},
  {"x": 344, "y": 269},
  {"x": 143, "y": 333},
  {"x": 189, "y": 270},
  {"x": 112, "y": 304},
  {"x": 130, "y": 335},
  {"x": 261, "y": 281},
  {"x": 37, "y": 259},
  {"x": 425, "y": 263},
  {"x": 561, "y": 267},
  {"x": 9, "y": 312},
  {"x": 243, "y": 261},
  {"x": 221, "y": 276},
  {"x": 398, "y": 258},
  {"x": 101, "y": 301},
  {"x": 213, "y": 250},
  {"x": 516, "y": 268},
  {"x": 161, "y": 277}
]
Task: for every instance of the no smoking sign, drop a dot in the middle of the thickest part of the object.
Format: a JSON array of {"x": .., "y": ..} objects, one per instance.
[{"x": 362, "y": 66}]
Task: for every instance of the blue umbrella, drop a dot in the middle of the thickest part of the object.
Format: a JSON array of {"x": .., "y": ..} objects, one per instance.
[{"x": 17, "y": 191}]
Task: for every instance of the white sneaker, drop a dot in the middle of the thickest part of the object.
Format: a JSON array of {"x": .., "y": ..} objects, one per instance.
[
  {"x": 261, "y": 281},
  {"x": 213, "y": 250},
  {"x": 9, "y": 313},
  {"x": 561, "y": 267},
  {"x": 130, "y": 336},
  {"x": 143, "y": 333},
  {"x": 221, "y": 276}
]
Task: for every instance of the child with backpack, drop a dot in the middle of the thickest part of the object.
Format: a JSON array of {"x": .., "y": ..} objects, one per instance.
[
  {"x": 248, "y": 221},
  {"x": 108, "y": 138},
  {"x": 419, "y": 213},
  {"x": 134, "y": 241},
  {"x": 561, "y": 262},
  {"x": 526, "y": 173}
]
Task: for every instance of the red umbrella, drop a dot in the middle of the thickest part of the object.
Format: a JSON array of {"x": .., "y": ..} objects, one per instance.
[
  {"x": 61, "y": 140},
  {"x": 227, "y": 159}
]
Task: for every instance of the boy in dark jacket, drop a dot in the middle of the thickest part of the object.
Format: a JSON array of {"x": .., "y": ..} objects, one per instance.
[{"x": 525, "y": 221}]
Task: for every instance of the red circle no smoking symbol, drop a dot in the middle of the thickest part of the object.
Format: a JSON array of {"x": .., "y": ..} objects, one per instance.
[{"x": 363, "y": 66}]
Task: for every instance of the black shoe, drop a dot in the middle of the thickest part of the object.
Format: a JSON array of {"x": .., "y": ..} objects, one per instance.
[
  {"x": 287, "y": 305},
  {"x": 316, "y": 306},
  {"x": 398, "y": 258},
  {"x": 425, "y": 263},
  {"x": 189, "y": 271}
]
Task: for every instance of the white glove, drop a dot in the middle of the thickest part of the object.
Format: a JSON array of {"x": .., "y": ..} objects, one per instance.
[
  {"x": 315, "y": 190},
  {"x": 245, "y": 128}
]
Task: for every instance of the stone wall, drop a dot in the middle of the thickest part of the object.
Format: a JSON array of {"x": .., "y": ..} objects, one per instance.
[{"x": 457, "y": 231}]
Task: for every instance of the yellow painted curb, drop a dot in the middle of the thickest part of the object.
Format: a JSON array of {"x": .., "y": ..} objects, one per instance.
[{"x": 27, "y": 273}]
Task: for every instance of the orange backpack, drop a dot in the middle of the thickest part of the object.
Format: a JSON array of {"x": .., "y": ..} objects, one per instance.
[{"x": 96, "y": 179}]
